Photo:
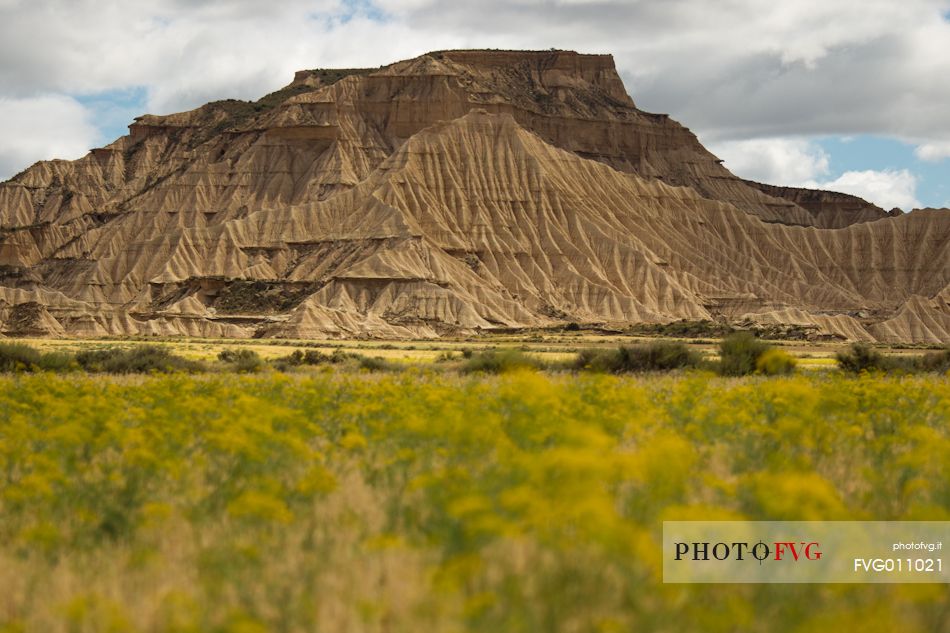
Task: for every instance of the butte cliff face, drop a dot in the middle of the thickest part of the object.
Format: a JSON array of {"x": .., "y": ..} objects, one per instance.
[{"x": 456, "y": 192}]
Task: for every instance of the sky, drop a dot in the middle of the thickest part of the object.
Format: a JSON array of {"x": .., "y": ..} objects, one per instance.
[{"x": 850, "y": 95}]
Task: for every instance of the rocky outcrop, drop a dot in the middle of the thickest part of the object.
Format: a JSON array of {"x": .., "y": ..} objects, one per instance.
[
  {"x": 829, "y": 209},
  {"x": 457, "y": 192}
]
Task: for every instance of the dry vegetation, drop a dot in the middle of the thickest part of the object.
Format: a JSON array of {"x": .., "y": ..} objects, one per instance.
[{"x": 548, "y": 346}]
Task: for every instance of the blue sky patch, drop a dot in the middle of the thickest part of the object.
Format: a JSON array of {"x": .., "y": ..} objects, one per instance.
[
  {"x": 879, "y": 153},
  {"x": 113, "y": 110},
  {"x": 352, "y": 9}
]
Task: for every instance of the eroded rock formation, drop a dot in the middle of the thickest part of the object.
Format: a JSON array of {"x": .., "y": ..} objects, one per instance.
[{"x": 455, "y": 192}]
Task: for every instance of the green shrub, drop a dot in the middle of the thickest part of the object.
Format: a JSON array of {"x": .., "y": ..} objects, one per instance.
[
  {"x": 376, "y": 363},
  {"x": 500, "y": 361},
  {"x": 58, "y": 361},
  {"x": 655, "y": 356},
  {"x": 142, "y": 359},
  {"x": 308, "y": 357},
  {"x": 683, "y": 329},
  {"x": 862, "y": 357},
  {"x": 311, "y": 357},
  {"x": 739, "y": 354},
  {"x": 598, "y": 360},
  {"x": 316, "y": 357},
  {"x": 244, "y": 361},
  {"x": 293, "y": 359},
  {"x": 775, "y": 362},
  {"x": 21, "y": 357},
  {"x": 938, "y": 362},
  {"x": 18, "y": 357},
  {"x": 339, "y": 356}
]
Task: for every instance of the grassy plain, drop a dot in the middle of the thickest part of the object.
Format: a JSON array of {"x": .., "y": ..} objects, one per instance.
[
  {"x": 429, "y": 501},
  {"x": 556, "y": 346}
]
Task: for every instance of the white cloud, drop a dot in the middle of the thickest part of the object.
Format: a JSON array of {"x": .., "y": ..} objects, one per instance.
[
  {"x": 41, "y": 128},
  {"x": 887, "y": 189},
  {"x": 933, "y": 152},
  {"x": 735, "y": 69},
  {"x": 803, "y": 163},
  {"x": 730, "y": 70},
  {"x": 773, "y": 160},
  {"x": 184, "y": 52},
  {"x": 181, "y": 52}
]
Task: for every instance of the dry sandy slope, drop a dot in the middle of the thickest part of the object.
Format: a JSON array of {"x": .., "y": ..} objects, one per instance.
[{"x": 383, "y": 204}]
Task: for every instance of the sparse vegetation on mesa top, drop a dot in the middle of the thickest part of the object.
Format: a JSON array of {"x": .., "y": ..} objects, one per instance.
[{"x": 239, "y": 112}]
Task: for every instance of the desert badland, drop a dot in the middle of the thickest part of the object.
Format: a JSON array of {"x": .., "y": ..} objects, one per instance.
[{"x": 457, "y": 192}]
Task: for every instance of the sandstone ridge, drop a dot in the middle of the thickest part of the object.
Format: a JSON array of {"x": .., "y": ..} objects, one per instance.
[{"x": 457, "y": 192}]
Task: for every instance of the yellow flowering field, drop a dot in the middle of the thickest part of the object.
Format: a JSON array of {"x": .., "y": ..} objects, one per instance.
[{"x": 421, "y": 501}]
